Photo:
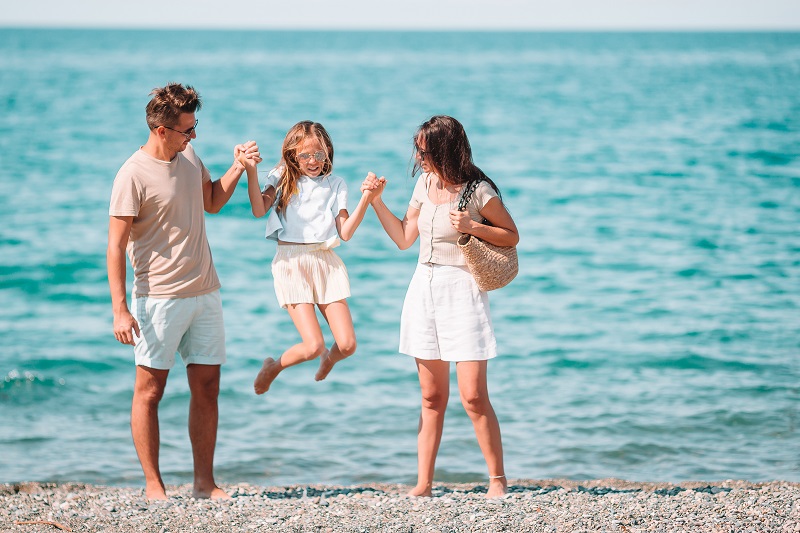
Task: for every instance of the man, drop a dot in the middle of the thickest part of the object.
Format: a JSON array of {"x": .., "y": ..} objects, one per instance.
[{"x": 156, "y": 214}]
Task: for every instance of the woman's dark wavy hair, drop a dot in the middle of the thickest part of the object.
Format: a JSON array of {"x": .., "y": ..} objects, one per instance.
[{"x": 448, "y": 151}]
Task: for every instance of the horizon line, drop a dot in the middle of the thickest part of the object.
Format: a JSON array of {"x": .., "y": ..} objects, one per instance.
[{"x": 400, "y": 29}]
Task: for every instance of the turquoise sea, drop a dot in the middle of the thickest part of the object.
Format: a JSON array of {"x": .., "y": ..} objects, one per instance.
[{"x": 653, "y": 332}]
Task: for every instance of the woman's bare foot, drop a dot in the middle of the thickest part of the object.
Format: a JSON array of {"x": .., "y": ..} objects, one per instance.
[
  {"x": 269, "y": 371},
  {"x": 325, "y": 365},
  {"x": 497, "y": 487},
  {"x": 215, "y": 493},
  {"x": 420, "y": 490}
]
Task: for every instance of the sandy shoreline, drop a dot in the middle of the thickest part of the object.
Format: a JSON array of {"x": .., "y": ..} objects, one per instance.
[{"x": 531, "y": 505}]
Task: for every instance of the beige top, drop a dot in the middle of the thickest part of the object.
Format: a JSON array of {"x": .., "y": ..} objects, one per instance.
[
  {"x": 437, "y": 237},
  {"x": 168, "y": 248}
]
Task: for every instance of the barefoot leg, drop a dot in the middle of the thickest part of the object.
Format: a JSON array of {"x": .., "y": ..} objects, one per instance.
[
  {"x": 147, "y": 393},
  {"x": 475, "y": 399},
  {"x": 203, "y": 420},
  {"x": 337, "y": 314},
  {"x": 434, "y": 380},
  {"x": 312, "y": 346}
]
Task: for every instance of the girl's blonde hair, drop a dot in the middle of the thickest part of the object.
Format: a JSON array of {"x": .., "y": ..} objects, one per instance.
[{"x": 290, "y": 171}]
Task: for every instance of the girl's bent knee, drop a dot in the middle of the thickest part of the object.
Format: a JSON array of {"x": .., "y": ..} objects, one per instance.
[
  {"x": 347, "y": 348},
  {"x": 314, "y": 349}
]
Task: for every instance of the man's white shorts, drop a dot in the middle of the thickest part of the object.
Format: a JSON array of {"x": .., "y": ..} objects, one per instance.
[
  {"x": 445, "y": 316},
  {"x": 190, "y": 326}
]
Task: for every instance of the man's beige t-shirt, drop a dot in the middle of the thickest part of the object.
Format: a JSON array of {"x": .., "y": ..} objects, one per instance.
[{"x": 168, "y": 248}]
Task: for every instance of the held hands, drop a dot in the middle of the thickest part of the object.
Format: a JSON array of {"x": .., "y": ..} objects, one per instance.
[
  {"x": 372, "y": 186},
  {"x": 461, "y": 221},
  {"x": 247, "y": 154}
]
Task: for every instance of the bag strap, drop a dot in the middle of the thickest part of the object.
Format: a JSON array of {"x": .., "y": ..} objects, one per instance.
[{"x": 466, "y": 195}]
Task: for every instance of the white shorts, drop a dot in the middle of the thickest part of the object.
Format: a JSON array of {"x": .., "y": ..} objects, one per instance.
[
  {"x": 446, "y": 317},
  {"x": 190, "y": 326},
  {"x": 309, "y": 273}
]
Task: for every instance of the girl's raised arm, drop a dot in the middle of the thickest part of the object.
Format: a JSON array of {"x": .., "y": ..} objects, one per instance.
[
  {"x": 346, "y": 223},
  {"x": 260, "y": 202}
]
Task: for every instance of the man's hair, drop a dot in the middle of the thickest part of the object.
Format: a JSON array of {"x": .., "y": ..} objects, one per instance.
[{"x": 167, "y": 104}]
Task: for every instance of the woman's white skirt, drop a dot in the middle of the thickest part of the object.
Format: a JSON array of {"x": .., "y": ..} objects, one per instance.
[{"x": 445, "y": 316}]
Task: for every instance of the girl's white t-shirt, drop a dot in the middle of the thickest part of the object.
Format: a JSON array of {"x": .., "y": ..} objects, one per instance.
[{"x": 310, "y": 215}]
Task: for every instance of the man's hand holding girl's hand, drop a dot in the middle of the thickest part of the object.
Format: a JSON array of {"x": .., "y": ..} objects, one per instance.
[{"x": 247, "y": 154}]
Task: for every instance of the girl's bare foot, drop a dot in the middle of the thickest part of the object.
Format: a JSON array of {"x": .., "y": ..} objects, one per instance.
[
  {"x": 269, "y": 371},
  {"x": 325, "y": 365},
  {"x": 498, "y": 486}
]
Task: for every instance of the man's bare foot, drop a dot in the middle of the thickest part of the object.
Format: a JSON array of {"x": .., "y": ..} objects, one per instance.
[
  {"x": 420, "y": 490},
  {"x": 325, "y": 365},
  {"x": 269, "y": 371},
  {"x": 215, "y": 493},
  {"x": 155, "y": 492},
  {"x": 497, "y": 487}
]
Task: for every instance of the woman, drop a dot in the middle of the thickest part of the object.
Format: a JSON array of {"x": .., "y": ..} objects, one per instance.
[{"x": 445, "y": 316}]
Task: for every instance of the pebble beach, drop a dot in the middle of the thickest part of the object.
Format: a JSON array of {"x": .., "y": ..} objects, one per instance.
[{"x": 530, "y": 505}]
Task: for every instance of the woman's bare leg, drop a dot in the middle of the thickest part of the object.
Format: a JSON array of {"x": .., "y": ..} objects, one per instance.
[
  {"x": 434, "y": 382},
  {"x": 475, "y": 399}
]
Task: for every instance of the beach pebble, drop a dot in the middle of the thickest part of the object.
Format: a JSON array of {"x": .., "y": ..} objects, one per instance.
[{"x": 553, "y": 505}]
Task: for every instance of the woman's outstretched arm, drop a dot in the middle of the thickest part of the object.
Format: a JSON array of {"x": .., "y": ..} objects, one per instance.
[
  {"x": 346, "y": 224},
  {"x": 402, "y": 232}
]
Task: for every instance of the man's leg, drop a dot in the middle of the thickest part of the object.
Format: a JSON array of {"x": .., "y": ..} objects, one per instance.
[
  {"x": 147, "y": 393},
  {"x": 203, "y": 419}
]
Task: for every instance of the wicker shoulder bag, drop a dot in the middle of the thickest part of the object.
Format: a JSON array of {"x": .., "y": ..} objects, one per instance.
[{"x": 492, "y": 266}]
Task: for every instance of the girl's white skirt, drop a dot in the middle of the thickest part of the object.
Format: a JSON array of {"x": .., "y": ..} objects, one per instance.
[
  {"x": 309, "y": 273},
  {"x": 445, "y": 316}
]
